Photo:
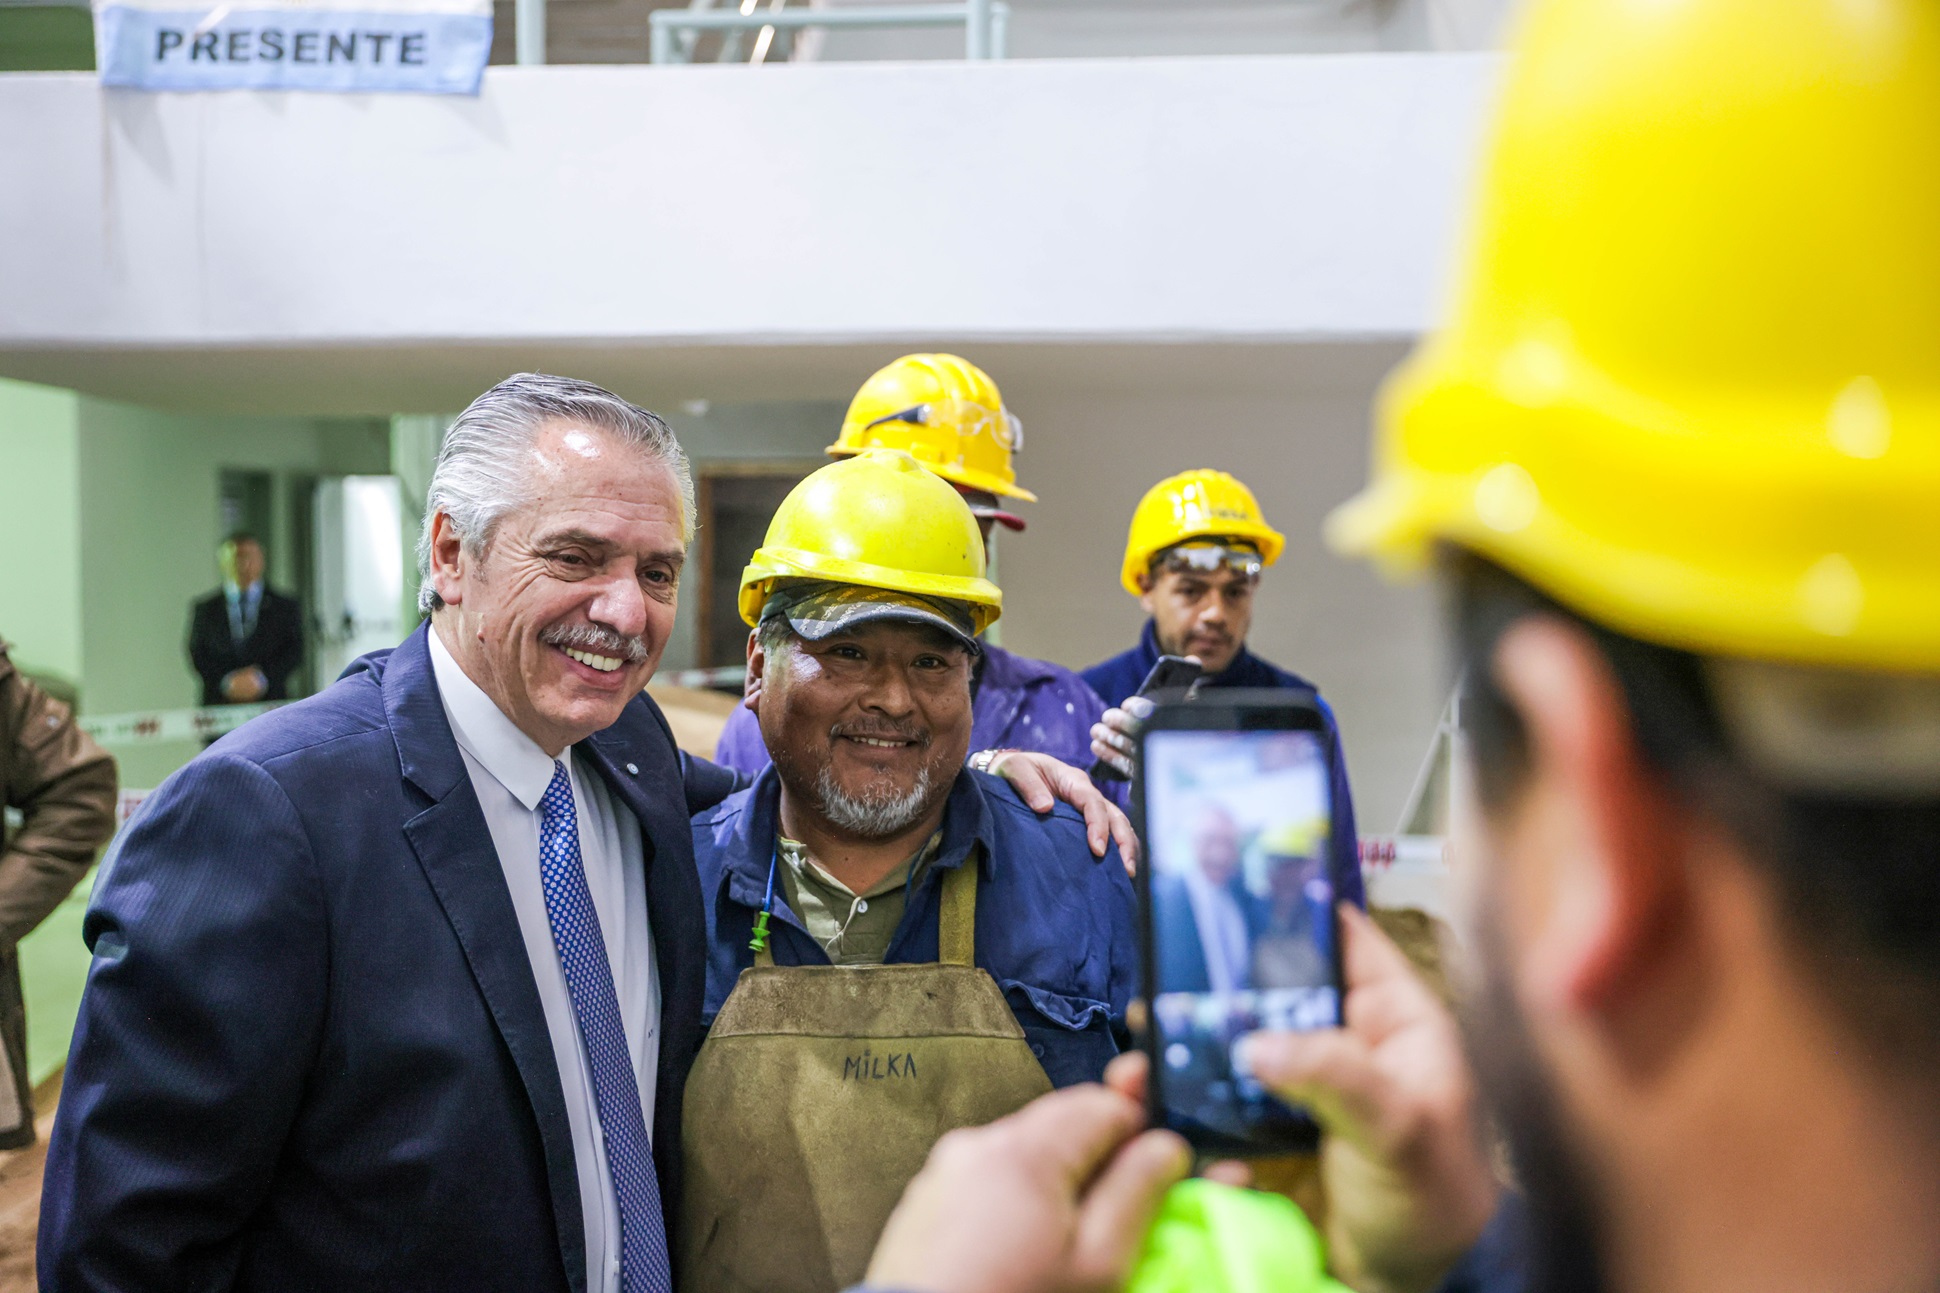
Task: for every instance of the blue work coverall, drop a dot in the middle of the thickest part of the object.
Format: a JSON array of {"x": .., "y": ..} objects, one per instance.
[{"x": 1120, "y": 676}]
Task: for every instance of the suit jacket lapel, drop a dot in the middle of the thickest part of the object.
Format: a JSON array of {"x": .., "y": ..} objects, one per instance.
[{"x": 454, "y": 846}]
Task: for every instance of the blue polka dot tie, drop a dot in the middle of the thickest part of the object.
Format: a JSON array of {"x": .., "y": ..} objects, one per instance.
[{"x": 589, "y": 978}]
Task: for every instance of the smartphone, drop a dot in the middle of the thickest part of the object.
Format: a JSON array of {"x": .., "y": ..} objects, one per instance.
[
  {"x": 1237, "y": 903},
  {"x": 1172, "y": 678}
]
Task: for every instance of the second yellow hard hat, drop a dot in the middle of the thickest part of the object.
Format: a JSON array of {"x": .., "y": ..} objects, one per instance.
[{"x": 944, "y": 411}]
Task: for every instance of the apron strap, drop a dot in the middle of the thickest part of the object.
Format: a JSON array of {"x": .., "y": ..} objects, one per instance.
[{"x": 956, "y": 926}]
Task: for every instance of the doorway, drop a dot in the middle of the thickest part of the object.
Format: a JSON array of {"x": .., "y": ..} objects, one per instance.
[{"x": 735, "y": 502}]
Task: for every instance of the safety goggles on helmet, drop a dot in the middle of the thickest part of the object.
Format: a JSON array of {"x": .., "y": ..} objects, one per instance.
[
  {"x": 967, "y": 418},
  {"x": 1210, "y": 558}
]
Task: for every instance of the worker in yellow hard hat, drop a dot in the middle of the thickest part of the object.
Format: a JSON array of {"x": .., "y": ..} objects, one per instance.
[
  {"x": 898, "y": 945},
  {"x": 947, "y": 413},
  {"x": 1675, "y": 456},
  {"x": 1193, "y": 558}
]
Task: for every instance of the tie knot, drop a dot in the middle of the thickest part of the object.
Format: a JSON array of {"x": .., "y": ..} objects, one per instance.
[{"x": 559, "y": 791}]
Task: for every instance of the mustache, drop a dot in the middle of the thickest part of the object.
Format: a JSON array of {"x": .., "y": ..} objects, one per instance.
[
  {"x": 883, "y": 731},
  {"x": 596, "y": 639}
]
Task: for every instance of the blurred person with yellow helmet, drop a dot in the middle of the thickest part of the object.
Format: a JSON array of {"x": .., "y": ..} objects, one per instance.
[
  {"x": 1675, "y": 456},
  {"x": 1193, "y": 558},
  {"x": 946, "y": 413},
  {"x": 898, "y": 945}
]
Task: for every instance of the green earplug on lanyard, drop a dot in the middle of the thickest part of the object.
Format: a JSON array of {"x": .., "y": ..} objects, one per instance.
[{"x": 760, "y": 940}]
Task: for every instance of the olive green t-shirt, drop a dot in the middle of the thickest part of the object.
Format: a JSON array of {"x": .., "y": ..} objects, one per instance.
[{"x": 853, "y": 928}]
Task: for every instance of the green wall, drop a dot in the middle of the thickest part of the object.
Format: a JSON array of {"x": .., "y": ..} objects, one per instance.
[
  {"x": 40, "y": 577},
  {"x": 109, "y": 524},
  {"x": 150, "y": 523}
]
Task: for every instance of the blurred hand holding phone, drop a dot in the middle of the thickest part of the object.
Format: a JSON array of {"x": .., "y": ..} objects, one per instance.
[{"x": 1240, "y": 934}]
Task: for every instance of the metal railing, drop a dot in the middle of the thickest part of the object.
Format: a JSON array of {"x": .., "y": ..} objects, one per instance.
[{"x": 985, "y": 24}]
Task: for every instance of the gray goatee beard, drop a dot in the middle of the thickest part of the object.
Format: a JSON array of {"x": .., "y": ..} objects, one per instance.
[{"x": 872, "y": 817}]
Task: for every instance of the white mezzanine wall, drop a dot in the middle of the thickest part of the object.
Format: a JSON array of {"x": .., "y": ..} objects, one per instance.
[{"x": 366, "y": 254}]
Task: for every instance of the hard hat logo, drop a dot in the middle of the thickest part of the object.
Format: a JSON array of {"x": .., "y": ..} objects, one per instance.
[
  {"x": 876, "y": 520},
  {"x": 946, "y": 413},
  {"x": 1688, "y": 387},
  {"x": 1204, "y": 504}
]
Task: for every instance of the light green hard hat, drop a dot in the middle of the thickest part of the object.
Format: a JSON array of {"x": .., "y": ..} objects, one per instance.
[{"x": 1212, "y": 1238}]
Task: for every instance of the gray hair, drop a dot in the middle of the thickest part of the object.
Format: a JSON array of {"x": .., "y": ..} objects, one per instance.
[{"x": 483, "y": 465}]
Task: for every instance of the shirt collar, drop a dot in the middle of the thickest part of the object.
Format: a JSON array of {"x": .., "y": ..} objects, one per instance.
[
  {"x": 795, "y": 855},
  {"x": 484, "y": 732}
]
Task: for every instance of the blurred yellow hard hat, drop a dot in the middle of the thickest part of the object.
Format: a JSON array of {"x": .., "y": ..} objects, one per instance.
[
  {"x": 1691, "y": 382},
  {"x": 877, "y": 520},
  {"x": 947, "y": 413},
  {"x": 1293, "y": 839},
  {"x": 1201, "y": 504}
]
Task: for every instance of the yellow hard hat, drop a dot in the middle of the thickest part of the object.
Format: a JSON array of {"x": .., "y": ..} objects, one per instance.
[
  {"x": 877, "y": 520},
  {"x": 1201, "y": 504},
  {"x": 944, "y": 410},
  {"x": 1691, "y": 383},
  {"x": 1293, "y": 839}
]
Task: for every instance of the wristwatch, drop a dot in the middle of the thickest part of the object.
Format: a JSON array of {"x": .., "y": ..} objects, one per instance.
[{"x": 986, "y": 760}]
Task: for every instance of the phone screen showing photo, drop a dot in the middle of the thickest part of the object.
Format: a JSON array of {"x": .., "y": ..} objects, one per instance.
[{"x": 1241, "y": 902}]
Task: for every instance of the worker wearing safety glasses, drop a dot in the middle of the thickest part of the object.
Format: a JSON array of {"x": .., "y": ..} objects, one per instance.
[
  {"x": 947, "y": 414},
  {"x": 1197, "y": 546}
]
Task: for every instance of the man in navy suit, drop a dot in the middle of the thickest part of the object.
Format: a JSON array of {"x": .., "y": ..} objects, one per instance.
[
  {"x": 1204, "y": 914},
  {"x": 398, "y": 987},
  {"x": 245, "y": 638},
  {"x": 390, "y": 986}
]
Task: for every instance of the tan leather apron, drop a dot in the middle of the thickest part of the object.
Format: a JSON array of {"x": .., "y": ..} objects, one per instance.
[{"x": 818, "y": 1094}]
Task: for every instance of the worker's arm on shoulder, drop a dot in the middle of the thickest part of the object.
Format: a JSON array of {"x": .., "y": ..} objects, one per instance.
[
  {"x": 198, "y": 1031},
  {"x": 1042, "y": 782},
  {"x": 64, "y": 786}
]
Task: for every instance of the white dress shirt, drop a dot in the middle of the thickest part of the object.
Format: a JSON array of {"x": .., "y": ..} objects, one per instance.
[
  {"x": 1222, "y": 932},
  {"x": 510, "y": 773}
]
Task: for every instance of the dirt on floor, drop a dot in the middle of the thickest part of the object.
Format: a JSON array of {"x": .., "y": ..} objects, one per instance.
[{"x": 20, "y": 1171}]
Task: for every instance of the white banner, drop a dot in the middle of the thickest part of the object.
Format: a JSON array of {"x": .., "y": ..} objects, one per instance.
[{"x": 422, "y": 46}]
